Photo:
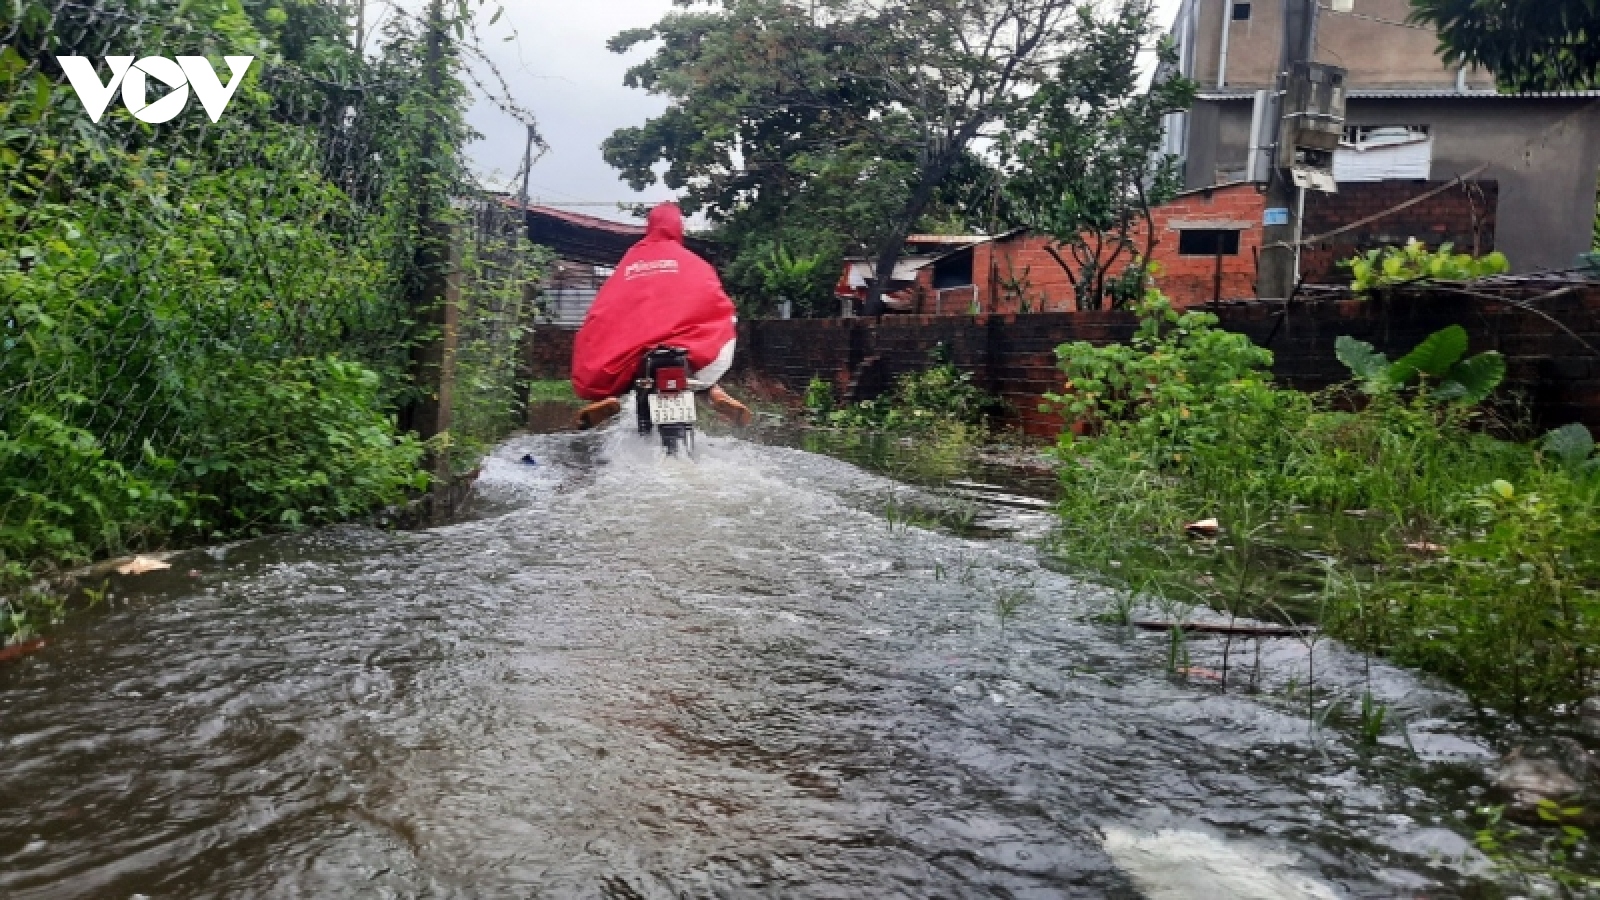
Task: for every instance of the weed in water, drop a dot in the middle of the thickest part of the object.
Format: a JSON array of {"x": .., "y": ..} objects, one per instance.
[
  {"x": 1372, "y": 717},
  {"x": 1008, "y": 601},
  {"x": 1177, "y": 650},
  {"x": 1540, "y": 856}
]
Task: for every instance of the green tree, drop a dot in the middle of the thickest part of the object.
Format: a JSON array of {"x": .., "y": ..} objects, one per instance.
[
  {"x": 1530, "y": 45},
  {"x": 1083, "y": 155},
  {"x": 862, "y": 112}
]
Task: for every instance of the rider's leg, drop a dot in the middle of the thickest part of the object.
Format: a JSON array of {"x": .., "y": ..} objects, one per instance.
[
  {"x": 731, "y": 409},
  {"x": 597, "y": 412}
]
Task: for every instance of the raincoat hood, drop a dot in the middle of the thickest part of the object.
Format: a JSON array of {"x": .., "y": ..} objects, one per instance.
[{"x": 664, "y": 224}]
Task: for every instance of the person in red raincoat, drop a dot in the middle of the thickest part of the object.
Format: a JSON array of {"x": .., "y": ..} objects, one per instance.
[{"x": 660, "y": 294}]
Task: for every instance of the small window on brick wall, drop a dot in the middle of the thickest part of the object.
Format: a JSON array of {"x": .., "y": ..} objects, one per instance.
[
  {"x": 1241, "y": 12},
  {"x": 1208, "y": 242}
]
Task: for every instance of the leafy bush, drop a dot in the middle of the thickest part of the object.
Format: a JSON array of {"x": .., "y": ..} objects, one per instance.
[
  {"x": 205, "y": 328},
  {"x": 1512, "y": 613},
  {"x": 288, "y": 443},
  {"x": 1390, "y": 266},
  {"x": 297, "y": 442},
  {"x": 1469, "y": 556},
  {"x": 1439, "y": 357},
  {"x": 819, "y": 399},
  {"x": 938, "y": 397},
  {"x": 1180, "y": 387},
  {"x": 803, "y": 280}
]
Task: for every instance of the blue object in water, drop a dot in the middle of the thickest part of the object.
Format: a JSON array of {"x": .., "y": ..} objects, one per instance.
[{"x": 528, "y": 460}]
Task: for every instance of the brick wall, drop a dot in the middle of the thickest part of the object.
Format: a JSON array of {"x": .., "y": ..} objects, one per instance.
[
  {"x": 1020, "y": 270},
  {"x": 1018, "y": 274},
  {"x": 1463, "y": 215},
  {"x": 552, "y": 352},
  {"x": 1014, "y": 355}
]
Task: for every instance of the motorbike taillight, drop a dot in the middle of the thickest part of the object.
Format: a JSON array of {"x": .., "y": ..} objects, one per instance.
[{"x": 672, "y": 380}]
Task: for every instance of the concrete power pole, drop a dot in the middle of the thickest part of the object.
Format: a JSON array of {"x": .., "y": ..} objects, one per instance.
[
  {"x": 1276, "y": 278},
  {"x": 527, "y": 166}
]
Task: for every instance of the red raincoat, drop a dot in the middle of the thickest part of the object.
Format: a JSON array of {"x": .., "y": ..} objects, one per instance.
[{"x": 660, "y": 294}]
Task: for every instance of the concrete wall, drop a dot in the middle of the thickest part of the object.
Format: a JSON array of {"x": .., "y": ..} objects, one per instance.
[
  {"x": 1377, "y": 55},
  {"x": 1545, "y": 155}
]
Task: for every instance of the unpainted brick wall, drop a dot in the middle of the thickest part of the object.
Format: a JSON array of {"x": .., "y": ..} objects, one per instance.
[
  {"x": 552, "y": 352},
  {"x": 1014, "y": 355},
  {"x": 1007, "y": 269},
  {"x": 1463, "y": 215}
]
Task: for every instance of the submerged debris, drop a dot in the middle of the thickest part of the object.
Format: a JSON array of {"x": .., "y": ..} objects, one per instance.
[{"x": 142, "y": 564}]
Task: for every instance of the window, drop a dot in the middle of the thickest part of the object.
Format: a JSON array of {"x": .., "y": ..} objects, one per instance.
[
  {"x": 1208, "y": 242},
  {"x": 1367, "y": 136},
  {"x": 1241, "y": 12},
  {"x": 1384, "y": 152}
]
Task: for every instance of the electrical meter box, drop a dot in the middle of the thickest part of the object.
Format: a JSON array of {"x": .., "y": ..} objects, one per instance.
[{"x": 1313, "y": 124}]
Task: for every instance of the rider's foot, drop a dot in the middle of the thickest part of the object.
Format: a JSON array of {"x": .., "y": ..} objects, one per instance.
[
  {"x": 731, "y": 409},
  {"x": 598, "y": 412}
]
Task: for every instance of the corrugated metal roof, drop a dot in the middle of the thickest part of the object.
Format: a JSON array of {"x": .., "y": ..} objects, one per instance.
[
  {"x": 964, "y": 239},
  {"x": 1422, "y": 94}
]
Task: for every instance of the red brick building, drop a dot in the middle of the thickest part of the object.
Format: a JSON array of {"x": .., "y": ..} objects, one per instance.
[{"x": 1015, "y": 272}]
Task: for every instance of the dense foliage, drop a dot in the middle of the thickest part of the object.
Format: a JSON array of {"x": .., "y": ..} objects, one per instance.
[
  {"x": 1083, "y": 155},
  {"x": 938, "y": 398},
  {"x": 207, "y": 327},
  {"x": 1530, "y": 45},
  {"x": 1383, "y": 509},
  {"x": 1390, "y": 266},
  {"x": 836, "y": 128}
]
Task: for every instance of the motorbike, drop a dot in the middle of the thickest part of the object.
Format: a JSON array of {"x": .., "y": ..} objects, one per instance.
[{"x": 663, "y": 396}]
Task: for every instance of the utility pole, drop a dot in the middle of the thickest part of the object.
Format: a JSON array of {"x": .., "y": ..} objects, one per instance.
[
  {"x": 1276, "y": 278},
  {"x": 527, "y": 167},
  {"x": 434, "y": 289}
]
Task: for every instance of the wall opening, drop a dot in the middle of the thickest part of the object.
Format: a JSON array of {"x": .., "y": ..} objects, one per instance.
[{"x": 1208, "y": 242}]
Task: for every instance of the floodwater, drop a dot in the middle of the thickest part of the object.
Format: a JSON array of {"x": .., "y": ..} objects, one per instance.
[{"x": 629, "y": 677}]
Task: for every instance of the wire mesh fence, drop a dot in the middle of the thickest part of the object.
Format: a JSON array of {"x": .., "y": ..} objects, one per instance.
[{"x": 208, "y": 325}]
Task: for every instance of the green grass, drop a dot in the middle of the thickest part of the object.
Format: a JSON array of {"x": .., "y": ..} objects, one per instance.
[
  {"x": 552, "y": 391},
  {"x": 1388, "y": 513}
]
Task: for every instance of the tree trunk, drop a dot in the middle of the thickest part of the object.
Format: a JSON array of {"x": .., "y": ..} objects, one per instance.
[
  {"x": 1072, "y": 277},
  {"x": 889, "y": 252}
]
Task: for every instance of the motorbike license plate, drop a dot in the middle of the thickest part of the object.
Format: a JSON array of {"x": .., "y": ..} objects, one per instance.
[{"x": 672, "y": 409}]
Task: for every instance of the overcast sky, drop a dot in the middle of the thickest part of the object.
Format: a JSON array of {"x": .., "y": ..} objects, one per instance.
[{"x": 559, "y": 68}]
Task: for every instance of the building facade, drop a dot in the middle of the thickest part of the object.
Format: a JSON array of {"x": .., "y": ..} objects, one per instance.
[{"x": 1409, "y": 117}]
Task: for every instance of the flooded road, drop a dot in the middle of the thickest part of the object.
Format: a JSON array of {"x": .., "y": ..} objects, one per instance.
[{"x": 628, "y": 677}]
